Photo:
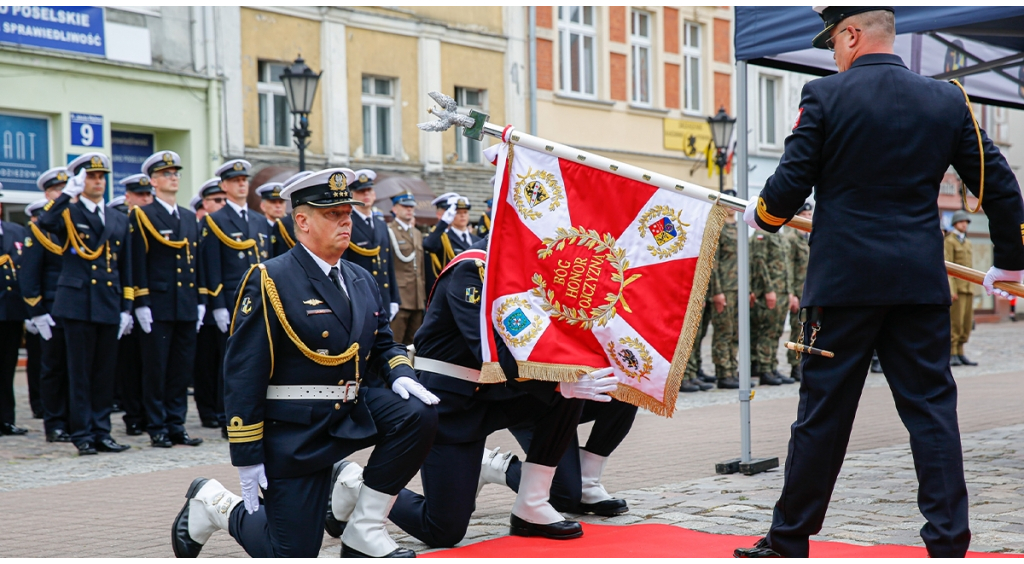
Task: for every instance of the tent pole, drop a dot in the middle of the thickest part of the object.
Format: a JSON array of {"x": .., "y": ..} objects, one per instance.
[{"x": 743, "y": 258}]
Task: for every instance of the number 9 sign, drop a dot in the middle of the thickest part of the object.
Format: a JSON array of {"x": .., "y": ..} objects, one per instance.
[{"x": 86, "y": 130}]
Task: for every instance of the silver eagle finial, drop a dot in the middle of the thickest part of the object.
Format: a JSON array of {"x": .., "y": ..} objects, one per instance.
[{"x": 447, "y": 115}]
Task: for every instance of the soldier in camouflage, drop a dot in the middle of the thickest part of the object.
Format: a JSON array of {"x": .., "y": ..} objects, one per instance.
[
  {"x": 799, "y": 250},
  {"x": 770, "y": 284},
  {"x": 692, "y": 378},
  {"x": 723, "y": 291}
]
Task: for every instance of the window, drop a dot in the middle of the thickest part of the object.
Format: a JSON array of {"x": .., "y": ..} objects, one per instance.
[
  {"x": 274, "y": 114},
  {"x": 378, "y": 102},
  {"x": 691, "y": 59},
  {"x": 577, "y": 39},
  {"x": 768, "y": 95},
  {"x": 640, "y": 38},
  {"x": 469, "y": 150}
]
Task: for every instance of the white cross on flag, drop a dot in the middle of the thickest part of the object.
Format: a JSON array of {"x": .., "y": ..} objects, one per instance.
[{"x": 587, "y": 269}]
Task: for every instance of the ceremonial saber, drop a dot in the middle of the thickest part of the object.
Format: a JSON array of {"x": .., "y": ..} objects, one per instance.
[{"x": 475, "y": 126}]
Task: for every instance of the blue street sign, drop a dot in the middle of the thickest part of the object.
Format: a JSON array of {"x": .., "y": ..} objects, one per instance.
[
  {"x": 24, "y": 151},
  {"x": 86, "y": 130},
  {"x": 79, "y": 29},
  {"x": 129, "y": 151}
]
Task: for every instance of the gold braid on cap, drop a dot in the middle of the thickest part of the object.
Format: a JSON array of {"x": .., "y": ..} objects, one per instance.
[{"x": 46, "y": 242}]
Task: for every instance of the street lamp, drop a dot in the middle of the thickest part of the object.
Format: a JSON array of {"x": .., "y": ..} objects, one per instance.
[
  {"x": 721, "y": 133},
  {"x": 300, "y": 87}
]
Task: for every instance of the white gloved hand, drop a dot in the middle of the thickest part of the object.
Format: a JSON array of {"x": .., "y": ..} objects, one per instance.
[
  {"x": 31, "y": 328},
  {"x": 252, "y": 478},
  {"x": 42, "y": 323},
  {"x": 126, "y": 325},
  {"x": 145, "y": 317},
  {"x": 999, "y": 275},
  {"x": 591, "y": 386},
  {"x": 405, "y": 385},
  {"x": 449, "y": 214},
  {"x": 223, "y": 319},
  {"x": 750, "y": 214},
  {"x": 202, "y": 313},
  {"x": 394, "y": 310},
  {"x": 75, "y": 184}
]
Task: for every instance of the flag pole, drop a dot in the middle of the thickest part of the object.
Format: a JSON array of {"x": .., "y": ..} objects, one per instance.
[{"x": 476, "y": 126}]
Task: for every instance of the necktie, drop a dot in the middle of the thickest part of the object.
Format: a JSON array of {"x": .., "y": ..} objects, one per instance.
[
  {"x": 245, "y": 217},
  {"x": 335, "y": 277},
  {"x": 465, "y": 238},
  {"x": 369, "y": 222},
  {"x": 99, "y": 212}
]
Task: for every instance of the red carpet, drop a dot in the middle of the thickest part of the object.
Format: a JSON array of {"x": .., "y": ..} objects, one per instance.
[{"x": 660, "y": 541}]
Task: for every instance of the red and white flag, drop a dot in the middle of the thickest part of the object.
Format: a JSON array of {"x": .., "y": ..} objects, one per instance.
[{"x": 587, "y": 269}]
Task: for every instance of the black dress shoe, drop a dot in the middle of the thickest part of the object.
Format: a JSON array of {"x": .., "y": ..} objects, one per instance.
[
  {"x": 954, "y": 360},
  {"x": 796, "y": 373},
  {"x": 183, "y": 544},
  {"x": 876, "y": 367},
  {"x": 116, "y": 408},
  {"x": 966, "y": 361},
  {"x": 133, "y": 429},
  {"x": 11, "y": 429},
  {"x": 729, "y": 384},
  {"x": 760, "y": 550},
  {"x": 606, "y": 508},
  {"x": 688, "y": 386},
  {"x": 160, "y": 440},
  {"x": 704, "y": 386},
  {"x": 769, "y": 379},
  {"x": 347, "y": 552},
  {"x": 110, "y": 445},
  {"x": 331, "y": 524},
  {"x": 182, "y": 438},
  {"x": 562, "y": 530},
  {"x": 85, "y": 448},
  {"x": 211, "y": 423},
  {"x": 785, "y": 379},
  {"x": 58, "y": 436}
]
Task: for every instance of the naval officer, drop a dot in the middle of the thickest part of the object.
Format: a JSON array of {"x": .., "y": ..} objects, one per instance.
[{"x": 371, "y": 244}]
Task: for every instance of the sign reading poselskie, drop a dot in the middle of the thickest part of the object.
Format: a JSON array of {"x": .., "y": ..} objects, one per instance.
[{"x": 78, "y": 29}]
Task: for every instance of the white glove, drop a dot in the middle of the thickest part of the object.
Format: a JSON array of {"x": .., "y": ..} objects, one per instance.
[
  {"x": 43, "y": 323},
  {"x": 75, "y": 185},
  {"x": 250, "y": 477},
  {"x": 999, "y": 275},
  {"x": 449, "y": 214},
  {"x": 750, "y": 214},
  {"x": 31, "y": 328},
  {"x": 126, "y": 324},
  {"x": 405, "y": 385},
  {"x": 591, "y": 386},
  {"x": 223, "y": 319},
  {"x": 394, "y": 310},
  {"x": 145, "y": 317},
  {"x": 202, "y": 313}
]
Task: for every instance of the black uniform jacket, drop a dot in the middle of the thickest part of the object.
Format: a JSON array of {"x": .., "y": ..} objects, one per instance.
[
  {"x": 96, "y": 290},
  {"x": 41, "y": 264},
  {"x": 441, "y": 246},
  {"x": 451, "y": 333},
  {"x": 225, "y": 253},
  {"x": 12, "y": 242},
  {"x": 282, "y": 235},
  {"x": 165, "y": 262},
  {"x": 874, "y": 142},
  {"x": 381, "y": 265},
  {"x": 296, "y": 437}
]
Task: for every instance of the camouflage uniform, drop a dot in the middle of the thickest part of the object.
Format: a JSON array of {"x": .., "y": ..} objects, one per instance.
[
  {"x": 769, "y": 255},
  {"x": 725, "y": 280},
  {"x": 799, "y": 250},
  {"x": 693, "y": 365}
]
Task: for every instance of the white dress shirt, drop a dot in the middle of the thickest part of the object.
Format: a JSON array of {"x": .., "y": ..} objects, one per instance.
[
  {"x": 92, "y": 207},
  {"x": 324, "y": 266}
]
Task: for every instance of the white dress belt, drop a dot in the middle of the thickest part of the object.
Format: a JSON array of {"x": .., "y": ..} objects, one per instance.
[
  {"x": 446, "y": 369},
  {"x": 348, "y": 392}
]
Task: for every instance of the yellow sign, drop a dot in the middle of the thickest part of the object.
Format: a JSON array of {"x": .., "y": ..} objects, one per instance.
[{"x": 691, "y": 136}]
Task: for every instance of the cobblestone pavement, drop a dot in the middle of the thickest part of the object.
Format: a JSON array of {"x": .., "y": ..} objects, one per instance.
[{"x": 664, "y": 468}]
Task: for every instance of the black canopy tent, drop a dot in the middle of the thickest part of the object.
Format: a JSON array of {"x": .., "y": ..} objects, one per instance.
[{"x": 982, "y": 47}]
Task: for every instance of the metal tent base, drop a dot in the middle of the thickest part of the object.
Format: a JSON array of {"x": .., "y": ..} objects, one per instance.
[{"x": 749, "y": 468}]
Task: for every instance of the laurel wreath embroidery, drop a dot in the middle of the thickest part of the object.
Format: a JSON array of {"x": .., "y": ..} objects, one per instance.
[
  {"x": 555, "y": 192},
  {"x": 522, "y": 339},
  {"x": 615, "y": 256},
  {"x": 632, "y": 344},
  {"x": 678, "y": 242}
]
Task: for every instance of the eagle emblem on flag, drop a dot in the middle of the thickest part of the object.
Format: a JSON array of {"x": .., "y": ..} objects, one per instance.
[{"x": 533, "y": 189}]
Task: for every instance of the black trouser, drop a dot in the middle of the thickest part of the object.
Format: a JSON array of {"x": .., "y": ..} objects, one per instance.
[
  {"x": 913, "y": 344},
  {"x": 33, "y": 371},
  {"x": 208, "y": 381},
  {"x": 612, "y": 422},
  {"x": 128, "y": 381},
  {"x": 54, "y": 381},
  {"x": 450, "y": 473},
  {"x": 290, "y": 522},
  {"x": 170, "y": 349},
  {"x": 10, "y": 340},
  {"x": 92, "y": 359}
]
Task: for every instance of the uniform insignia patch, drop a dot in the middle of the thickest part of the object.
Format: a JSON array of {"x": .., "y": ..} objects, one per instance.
[
  {"x": 168, "y": 158},
  {"x": 317, "y": 312},
  {"x": 516, "y": 322},
  {"x": 204, "y": 232},
  {"x": 246, "y": 305},
  {"x": 473, "y": 295},
  {"x": 313, "y": 302},
  {"x": 28, "y": 241},
  {"x": 62, "y": 177},
  {"x": 273, "y": 240},
  {"x": 238, "y": 166}
]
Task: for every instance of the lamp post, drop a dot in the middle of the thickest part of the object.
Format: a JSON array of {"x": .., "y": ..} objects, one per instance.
[
  {"x": 300, "y": 87},
  {"x": 721, "y": 133}
]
